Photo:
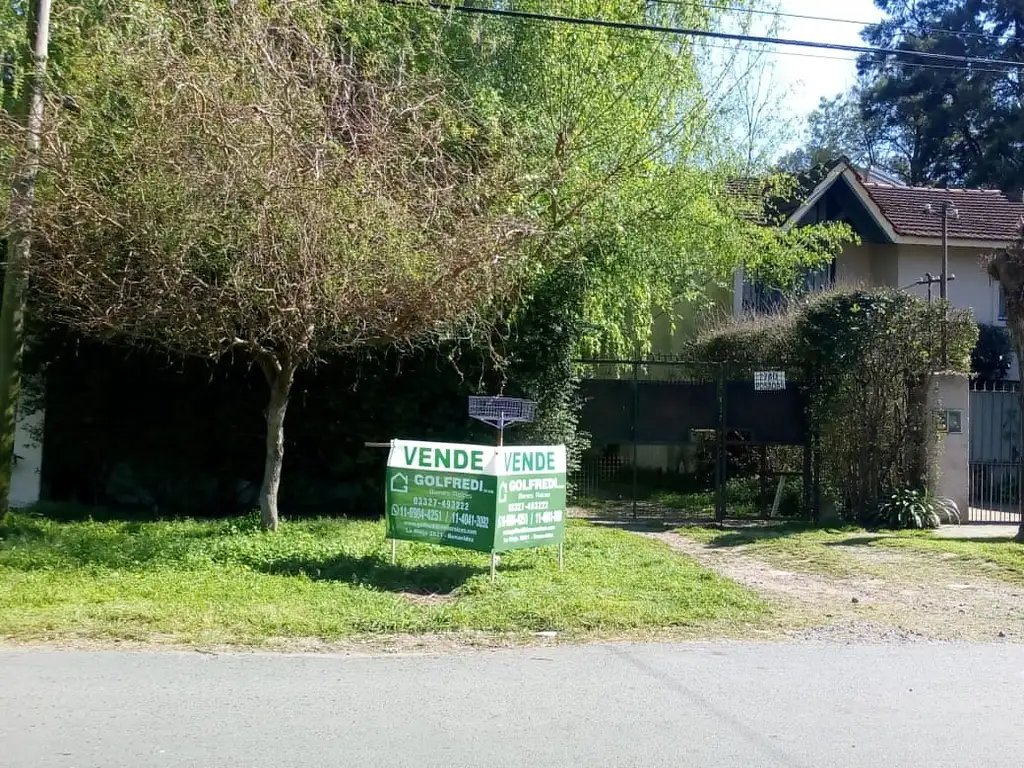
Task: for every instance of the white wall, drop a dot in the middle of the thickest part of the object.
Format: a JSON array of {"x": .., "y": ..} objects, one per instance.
[
  {"x": 950, "y": 477},
  {"x": 972, "y": 289},
  {"x": 853, "y": 265},
  {"x": 885, "y": 265},
  {"x": 901, "y": 266},
  {"x": 28, "y": 462}
]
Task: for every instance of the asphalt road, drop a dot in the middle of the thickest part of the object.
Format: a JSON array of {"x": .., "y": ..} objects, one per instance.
[{"x": 624, "y": 705}]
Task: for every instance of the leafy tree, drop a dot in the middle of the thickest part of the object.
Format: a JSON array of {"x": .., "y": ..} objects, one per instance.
[
  {"x": 960, "y": 126},
  {"x": 626, "y": 139},
  {"x": 837, "y": 129},
  {"x": 257, "y": 193},
  {"x": 319, "y": 176}
]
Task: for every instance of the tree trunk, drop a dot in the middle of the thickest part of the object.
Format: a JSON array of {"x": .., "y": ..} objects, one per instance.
[
  {"x": 29, "y": 110},
  {"x": 280, "y": 379}
]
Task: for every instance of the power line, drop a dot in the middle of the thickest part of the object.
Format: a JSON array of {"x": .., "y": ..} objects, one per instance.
[
  {"x": 851, "y": 59},
  {"x": 829, "y": 19},
  {"x": 698, "y": 33}
]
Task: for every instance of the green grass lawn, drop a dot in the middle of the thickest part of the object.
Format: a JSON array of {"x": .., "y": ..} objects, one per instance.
[
  {"x": 824, "y": 550},
  {"x": 224, "y": 582}
]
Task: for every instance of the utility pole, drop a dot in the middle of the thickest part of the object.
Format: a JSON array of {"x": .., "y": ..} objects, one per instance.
[
  {"x": 28, "y": 110},
  {"x": 929, "y": 280},
  {"x": 946, "y": 211}
]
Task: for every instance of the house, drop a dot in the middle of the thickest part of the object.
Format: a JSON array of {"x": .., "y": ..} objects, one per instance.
[
  {"x": 904, "y": 232},
  {"x": 901, "y": 238}
]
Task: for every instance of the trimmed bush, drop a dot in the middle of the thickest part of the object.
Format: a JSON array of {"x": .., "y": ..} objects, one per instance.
[{"x": 865, "y": 358}]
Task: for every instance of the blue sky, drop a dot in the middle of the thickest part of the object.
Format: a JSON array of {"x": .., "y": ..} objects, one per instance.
[{"x": 809, "y": 79}]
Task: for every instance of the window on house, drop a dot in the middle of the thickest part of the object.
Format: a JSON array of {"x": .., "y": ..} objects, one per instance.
[
  {"x": 1002, "y": 303},
  {"x": 761, "y": 298},
  {"x": 820, "y": 279}
]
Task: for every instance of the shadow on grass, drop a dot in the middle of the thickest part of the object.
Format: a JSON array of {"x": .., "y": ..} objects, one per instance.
[
  {"x": 61, "y": 512},
  {"x": 645, "y": 524},
  {"x": 737, "y": 537},
  {"x": 372, "y": 571},
  {"x": 856, "y": 541}
]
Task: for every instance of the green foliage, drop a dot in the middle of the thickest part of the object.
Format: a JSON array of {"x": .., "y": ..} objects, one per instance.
[
  {"x": 955, "y": 126},
  {"x": 621, "y": 139},
  {"x": 837, "y": 129},
  {"x": 210, "y": 582},
  {"x": 864, "y": 357},
  {"x": 990, "y": 359},
  {"x": 610, "y": 144},
  {"x": 542, "y": 344},
  {"x": 910, "y": 508},
  {"x": 96, "y": 395},
  {"x": 842, "y": 330}
]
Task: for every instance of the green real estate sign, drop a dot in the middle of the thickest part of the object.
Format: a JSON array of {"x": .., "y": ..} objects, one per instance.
[{"x": 485, "y": 498}]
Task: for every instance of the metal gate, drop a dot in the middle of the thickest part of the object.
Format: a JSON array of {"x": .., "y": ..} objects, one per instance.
[
  {"x": 995, "y": 452},
  {"x": 695, "y": 440}
]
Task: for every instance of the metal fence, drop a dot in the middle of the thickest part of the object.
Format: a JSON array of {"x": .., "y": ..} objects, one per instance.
[
  {"x": 995, "y": 440},
  {"x": 693, "y": 439}
]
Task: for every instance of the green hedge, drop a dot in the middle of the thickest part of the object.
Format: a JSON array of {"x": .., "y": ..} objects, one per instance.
[
  {"x": 865, "y": 357},
  {"x": 128, "y": 427}
]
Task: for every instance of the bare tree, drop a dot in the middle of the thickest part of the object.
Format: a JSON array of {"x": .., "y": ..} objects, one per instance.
[
  {"x": 233, "y": 181},
  {"x": 1007, "y": 267}
]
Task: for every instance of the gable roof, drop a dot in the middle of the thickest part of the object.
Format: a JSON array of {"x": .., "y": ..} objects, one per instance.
[
  {"x": 771, "y": 202},
  {"x": 986, "y": 216},
  {"x": 982, "y": 214}
]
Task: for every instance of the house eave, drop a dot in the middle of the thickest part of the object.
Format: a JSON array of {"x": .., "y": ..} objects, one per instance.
[
  {"x": 953, "y": 242},
  {"x": 847, "y": 172}
]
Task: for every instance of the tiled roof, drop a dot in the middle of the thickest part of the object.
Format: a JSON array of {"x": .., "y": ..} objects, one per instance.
[
  {"x": 982, "y": 214},
  {"x": 771, "y": 205}
]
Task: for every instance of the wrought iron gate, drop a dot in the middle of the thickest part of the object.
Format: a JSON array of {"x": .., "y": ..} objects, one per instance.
[
  {"x": 995, "y": 452},
  {"x": 695, "y": 439}
]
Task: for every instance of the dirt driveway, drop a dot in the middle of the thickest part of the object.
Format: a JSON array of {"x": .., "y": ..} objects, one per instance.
[{"x": 885, "y": 595}]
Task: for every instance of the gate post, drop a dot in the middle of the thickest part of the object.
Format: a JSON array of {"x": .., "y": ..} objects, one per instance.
[
  {"x": 636, "y": 406},
  {"x": 810, "y": 506},
  {"x": 949, "y": 397},
  {"x": 721, "y": 465}
]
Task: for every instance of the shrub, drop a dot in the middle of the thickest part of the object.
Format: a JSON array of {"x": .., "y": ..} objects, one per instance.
[
  {"x": 864, "y": 357},
  {"x": 990, "y": 360},
  {"x": 908, "y": 508}
]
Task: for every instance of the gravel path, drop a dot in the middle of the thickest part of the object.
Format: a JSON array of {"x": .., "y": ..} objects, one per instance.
[{"x": 903, "y": 596}]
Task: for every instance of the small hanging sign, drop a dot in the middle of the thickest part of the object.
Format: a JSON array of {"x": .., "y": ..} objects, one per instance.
[{"x": 769, "y": 381}]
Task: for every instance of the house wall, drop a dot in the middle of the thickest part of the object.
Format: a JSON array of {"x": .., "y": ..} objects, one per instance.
[
  {"x": 885, "y": 265},
  {"x": 972, "y": 288},
  {"x": 28, "y": 462},
  {"x": 854, "y": 266},
  {"x": 690, "y": 318},
  {"x": 666, "y": 340}
]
